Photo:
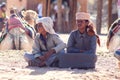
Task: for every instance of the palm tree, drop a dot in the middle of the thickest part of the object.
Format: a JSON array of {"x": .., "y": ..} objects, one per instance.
[
  {"x": 109, "y": 13},
  {"x": 99, "y": 16},
  {"x": 59, "y": 15},
  {"x": 73, "y": 9}
]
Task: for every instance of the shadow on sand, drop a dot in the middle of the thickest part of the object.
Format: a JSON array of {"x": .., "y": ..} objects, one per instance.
[{"x": 41, "y": 71}]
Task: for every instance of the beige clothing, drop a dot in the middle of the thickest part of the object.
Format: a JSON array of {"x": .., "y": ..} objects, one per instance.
[{"x": 2, "y": 14}]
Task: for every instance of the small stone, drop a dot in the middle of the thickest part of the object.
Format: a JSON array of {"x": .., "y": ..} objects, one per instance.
[{"x": 12, "y": 68}]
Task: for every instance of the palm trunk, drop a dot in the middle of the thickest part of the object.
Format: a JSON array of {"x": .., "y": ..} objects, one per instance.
[
  {"x": 59, "y": 15},
  {"x": 99, "y": 16},
  {"x": 109, "y": 13},
  {"x": 44, "y": 7},
  {"x": 73, "y": 8},
  {"x": 83, "y": 7},
  {"x": 48, "y": 7}
]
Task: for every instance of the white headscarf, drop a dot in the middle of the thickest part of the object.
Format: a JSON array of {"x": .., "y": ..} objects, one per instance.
[{"x": 47, "y": 23}]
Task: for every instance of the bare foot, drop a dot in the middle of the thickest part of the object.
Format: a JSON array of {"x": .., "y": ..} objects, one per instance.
[{"x": 42, "y": 64}]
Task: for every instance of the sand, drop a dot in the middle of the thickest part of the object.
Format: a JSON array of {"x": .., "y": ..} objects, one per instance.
[{"x": 14, "y": 67}]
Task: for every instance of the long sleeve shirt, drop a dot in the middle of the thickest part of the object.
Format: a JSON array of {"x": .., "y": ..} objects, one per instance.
[
  {"x": 81, "y": 42},
  {"x": 51, "y": 42}
]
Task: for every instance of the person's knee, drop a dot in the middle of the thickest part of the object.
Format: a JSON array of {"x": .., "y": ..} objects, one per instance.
[
  {"x": 117, "y": 55},
  {"x": 28, "y": 56},
  {"x": 61, "y": 52}
]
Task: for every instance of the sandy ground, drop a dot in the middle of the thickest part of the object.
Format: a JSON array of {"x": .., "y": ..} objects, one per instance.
[{"x": 13, "y": 67}]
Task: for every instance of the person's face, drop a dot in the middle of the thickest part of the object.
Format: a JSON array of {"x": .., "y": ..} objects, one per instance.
[
  {"x": 81, "y": 24},
  {"x": 4, "y": 9},
  {"x": 40, "y": 28}
]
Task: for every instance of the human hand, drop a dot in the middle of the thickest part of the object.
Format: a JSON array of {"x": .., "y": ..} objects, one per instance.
[
  {"x": 81, "y": 51},
  {"x": 49, "y": 53},
  {"x": 42, "y": 58}
]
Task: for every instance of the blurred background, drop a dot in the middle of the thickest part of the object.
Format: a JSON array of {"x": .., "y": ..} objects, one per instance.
[{"x": 103, "y": 12}]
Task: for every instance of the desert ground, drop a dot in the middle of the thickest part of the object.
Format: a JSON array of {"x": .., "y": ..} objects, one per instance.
[{"x": 14, "y": 67}]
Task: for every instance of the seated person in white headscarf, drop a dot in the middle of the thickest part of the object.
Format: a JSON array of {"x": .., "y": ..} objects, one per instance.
[{"x": 47, "y": 45}]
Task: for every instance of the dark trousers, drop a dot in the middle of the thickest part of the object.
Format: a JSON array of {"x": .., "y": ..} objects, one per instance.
[{"x": 77, "y": 60}]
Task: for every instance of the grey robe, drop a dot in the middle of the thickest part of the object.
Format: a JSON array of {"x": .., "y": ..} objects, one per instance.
[{"x": 52, "y": 42}]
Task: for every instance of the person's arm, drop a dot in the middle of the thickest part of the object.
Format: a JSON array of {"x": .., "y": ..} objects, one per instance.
[
  {"x": 93, "y": 45},
  {"x": 71, "y": 43},
  {"x": 60, "y": 45},
  {"x": 36, "y": 47}
]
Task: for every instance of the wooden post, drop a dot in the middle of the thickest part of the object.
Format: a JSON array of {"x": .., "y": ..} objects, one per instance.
[
  {"x": 59, "y": 15},
  {"x": 109, "y": 13},
  {"x": 44, "y": 7},
  {"x": 83, "y": 7},
  {"x": 73, "y": 8},
  {"x": 48, "y": 8},
  {"x": 99, "y": 16}
]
